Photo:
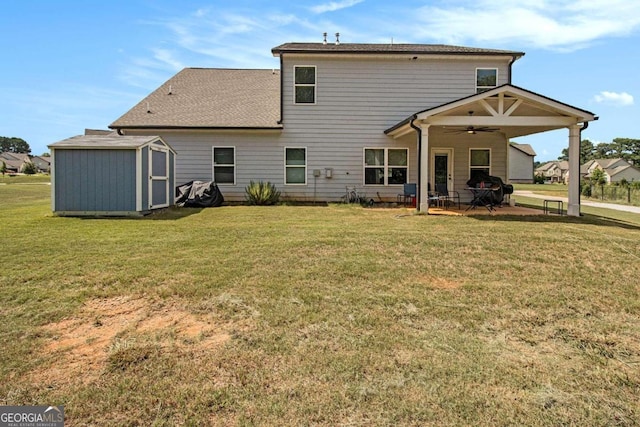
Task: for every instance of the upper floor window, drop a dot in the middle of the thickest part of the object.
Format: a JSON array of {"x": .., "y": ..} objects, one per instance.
[
  {"x": 486, "y": 78},
  {"x": 304, "y": 84},
  {"x": 295, "y": 165},
  {"x": 386, "y": 166},
  {"x": 224, "y": 165}
]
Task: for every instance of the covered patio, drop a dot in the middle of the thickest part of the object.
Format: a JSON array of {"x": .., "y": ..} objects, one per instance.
[{"x": 471, "y": 135}]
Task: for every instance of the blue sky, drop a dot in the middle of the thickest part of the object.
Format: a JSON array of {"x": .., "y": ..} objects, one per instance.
[{"x": 75, "y": 64}]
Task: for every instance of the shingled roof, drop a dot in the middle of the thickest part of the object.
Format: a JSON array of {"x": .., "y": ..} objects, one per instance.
[
  {"x": 209, "y": 98},
  {"x": 369, "y": 48}
]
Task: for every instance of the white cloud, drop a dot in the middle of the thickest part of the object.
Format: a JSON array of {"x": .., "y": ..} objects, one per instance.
[
  {"x": 166, "y": 57},
  {"x": 563, "y": 25},
  {"x": 334, "y": 5},
  {"x": 621, "y": 99}
]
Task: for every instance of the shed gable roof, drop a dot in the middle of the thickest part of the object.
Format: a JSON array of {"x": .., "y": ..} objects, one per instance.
[
  {"x": 209, "y": 98},
  {"x": 106, "y": 142}
]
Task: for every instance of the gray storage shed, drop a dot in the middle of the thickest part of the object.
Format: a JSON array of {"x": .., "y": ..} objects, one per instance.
[{"x": 111, "y": 175}]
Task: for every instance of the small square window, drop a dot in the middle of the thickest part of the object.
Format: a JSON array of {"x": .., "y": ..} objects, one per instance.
[{"x": 486, "y": 78}]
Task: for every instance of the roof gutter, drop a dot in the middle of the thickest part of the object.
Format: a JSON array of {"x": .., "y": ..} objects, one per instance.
[{"x": 418, "y": 187}]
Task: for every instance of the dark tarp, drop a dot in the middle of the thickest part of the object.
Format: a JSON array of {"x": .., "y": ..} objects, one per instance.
[{"x": 199, "y": 194}]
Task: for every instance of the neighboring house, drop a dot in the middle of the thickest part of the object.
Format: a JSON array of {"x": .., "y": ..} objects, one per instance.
[
  {"x": 15, "y": 161},
  {"x": 373, "y": 116},
  {"x": 554, "y": 171},
  {"x": 615, "y": 170},
  {"x": 42, "y": 163},
  {"x": 521, "y": 163}
]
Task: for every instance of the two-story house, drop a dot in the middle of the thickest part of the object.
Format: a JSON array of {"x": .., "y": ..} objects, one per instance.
[
  {"x": 554, "y": 171},
  {"x": 615, "y": 170},
  {"x": 373, "y": 116}
]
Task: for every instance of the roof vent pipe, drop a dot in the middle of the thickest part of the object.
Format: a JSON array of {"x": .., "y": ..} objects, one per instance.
[
  {"x": 324, "y": 35},
  {"x": 337, "y": 39}
]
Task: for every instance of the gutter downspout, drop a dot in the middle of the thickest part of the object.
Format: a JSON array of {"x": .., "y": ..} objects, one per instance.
[
  {"x": 513, "y": 59},
  {"x": 281, "y": 89},
  {"x": 419, "y": 187}
]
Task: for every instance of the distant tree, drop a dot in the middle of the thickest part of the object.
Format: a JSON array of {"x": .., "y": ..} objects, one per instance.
[
  {"x": 45, "y": 155},
  {"x": 619, "y": 148},
  {"x": 598, "y": 178},
  {"x": 3, "y": 168},
  {"x": 29, "y": 169},
  {"x": 586, "y": 152},
  {"x": 14, "y": 145}
]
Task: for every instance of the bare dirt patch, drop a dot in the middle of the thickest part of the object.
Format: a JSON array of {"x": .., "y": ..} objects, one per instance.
[{"x": 82, "y": 345}]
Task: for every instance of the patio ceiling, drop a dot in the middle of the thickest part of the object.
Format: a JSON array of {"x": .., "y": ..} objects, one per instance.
[{"x": 510, "y": 110}]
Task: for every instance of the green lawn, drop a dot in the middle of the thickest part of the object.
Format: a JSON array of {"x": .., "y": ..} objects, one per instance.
[
  {"x": 24, "y": 179},
  {"x": 334, "y": 315}
]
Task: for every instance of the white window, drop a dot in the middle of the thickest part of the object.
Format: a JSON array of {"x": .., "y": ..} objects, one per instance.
[
  {"x": 386, "y": 166},
  {"x": 486, "y": 78},
  {"x": 304, "y": 82},
  {"x": 295, "y": 165},
  {"x": 224, "y": 165},
  {"x": 479, "y": 162}
]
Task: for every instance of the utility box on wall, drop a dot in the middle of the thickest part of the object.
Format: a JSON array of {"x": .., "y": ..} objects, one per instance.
[{"x": 111, "y": 175}]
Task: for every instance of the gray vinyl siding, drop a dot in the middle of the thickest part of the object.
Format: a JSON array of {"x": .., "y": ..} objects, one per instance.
[
  {"x": 356, "y": 100},
  {"x": 520, "y": 166},
  {"x": 95, "y": 180}
]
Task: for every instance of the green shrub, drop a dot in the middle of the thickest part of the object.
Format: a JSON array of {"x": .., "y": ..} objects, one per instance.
[
  {"x": 586, "y": 189},
  {"x": 261, "y": 193},
  {"x": 538, "y": 179},
  {"x": 29, "y": 169}
]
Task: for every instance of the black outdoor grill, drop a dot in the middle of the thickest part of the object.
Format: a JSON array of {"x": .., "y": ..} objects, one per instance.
[{"x": 484, "y": 180}]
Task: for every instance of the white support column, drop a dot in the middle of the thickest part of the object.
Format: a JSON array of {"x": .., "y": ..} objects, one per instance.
[
  {"x": 424, "y": 169},
  {"x": 574, "y": 171}
]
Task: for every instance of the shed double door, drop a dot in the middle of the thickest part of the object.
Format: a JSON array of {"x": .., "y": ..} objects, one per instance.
[{"x": 159, "y": 177}]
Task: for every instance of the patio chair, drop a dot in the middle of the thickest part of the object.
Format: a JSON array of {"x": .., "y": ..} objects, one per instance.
[
  {"x": 445, "y": 196},
  {"x": 408, "y": 197},
  {"x": 433, "y": 197}
]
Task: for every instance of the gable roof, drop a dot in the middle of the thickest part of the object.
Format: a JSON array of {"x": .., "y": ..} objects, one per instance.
[
  {"x": 525, "y": 148},
  {"x": 209, "y": 98},
  {"x": 621, "y": 168},
  {"x": 523, "y": 112},
  {"x": 372, "y": 48},
  {"x": 546, "y": 166}
]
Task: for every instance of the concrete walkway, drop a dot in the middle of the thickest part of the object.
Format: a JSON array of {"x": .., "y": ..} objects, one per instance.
[{"x": 623, "y": 208}]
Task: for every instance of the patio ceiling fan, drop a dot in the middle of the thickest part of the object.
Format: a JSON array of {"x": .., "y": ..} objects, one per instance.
[{"x": 471, "y": 130}]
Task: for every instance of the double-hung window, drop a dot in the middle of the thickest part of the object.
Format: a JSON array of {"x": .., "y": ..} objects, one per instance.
[
  {"x": 486, "y": 78},
  {"x": 295, "y": 165},
  {"x": 386, "y": 166},
  {"x": 304, "y": 82},
  {"x": 479, "y": 162},
  {"x": 224, "y": 165}
]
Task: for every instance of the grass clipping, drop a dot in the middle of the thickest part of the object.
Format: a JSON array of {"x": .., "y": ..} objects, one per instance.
[{"x": 117, "y": 333}]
